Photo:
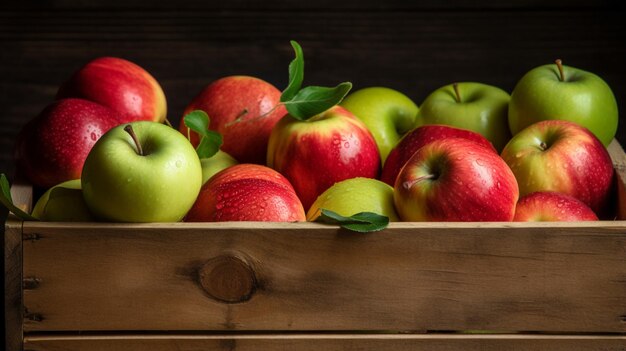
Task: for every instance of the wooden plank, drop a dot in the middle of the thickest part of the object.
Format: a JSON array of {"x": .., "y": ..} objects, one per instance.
[
  {"x": 329, "y": 342},
  {"x": 13, "y": 307},
  {"x": 324, "y": 5},
  {"x": 619, "y": 163},
  {"x": 569, "y": 277}
]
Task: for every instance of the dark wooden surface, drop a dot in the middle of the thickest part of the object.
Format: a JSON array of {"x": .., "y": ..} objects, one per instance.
[{"x": 412, "y": 46}]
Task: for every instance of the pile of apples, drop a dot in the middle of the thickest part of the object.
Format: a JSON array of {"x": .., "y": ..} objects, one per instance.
[{"x": 470, "y": 152}]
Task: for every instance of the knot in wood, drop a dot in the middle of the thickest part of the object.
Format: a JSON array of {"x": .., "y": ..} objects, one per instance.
[{"x": 228, "y": 279}]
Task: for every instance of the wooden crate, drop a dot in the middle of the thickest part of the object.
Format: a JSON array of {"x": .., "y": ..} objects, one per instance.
[{"x": 307, "y": 286}]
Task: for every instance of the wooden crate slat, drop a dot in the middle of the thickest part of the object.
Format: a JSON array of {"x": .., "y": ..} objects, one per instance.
[
  {"x": 432, "y": 276},
  {"x": 329, "y": 342}
]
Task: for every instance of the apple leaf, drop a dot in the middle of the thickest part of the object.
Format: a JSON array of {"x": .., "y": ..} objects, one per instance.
[
  {"x": 7, "y": 200},
  {"x": 210, "y": 140},
  {"x": 313, "y": 100},
  {"x": 296, "y": 74},
  {"x": 362, "y": 222}
]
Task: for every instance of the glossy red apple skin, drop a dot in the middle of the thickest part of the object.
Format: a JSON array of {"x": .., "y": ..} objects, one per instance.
[
  {"x": 470, "y": 183},
  {"x": 315, "y": 154},
  {"x": 52, "y": 147},
  {"x": 247, "y": 192},
  {"x": 244, "y": 110},
  {"x": 571, "y": 160},
  {"x": 120, "y": 85},
  {"x": 545, "y": 206},
  {"x": 419, "y": 137}
]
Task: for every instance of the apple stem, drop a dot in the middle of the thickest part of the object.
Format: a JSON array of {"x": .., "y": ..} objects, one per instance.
[
  {"x": 457, "y": 93},
  {"x": 168, "y": 123},
  {"x": 543, "y": 146},
  {"x": 129, "y": 129},
  {"x": 559, "y": 64},
  {"x": 410, "y": 183}
]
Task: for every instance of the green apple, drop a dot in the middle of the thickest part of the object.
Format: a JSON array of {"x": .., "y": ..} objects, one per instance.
[
  {"x": 387, "y": 113},
  {"x": 478, "y": 107},
  {"x": 141, "y": 172},
  {"x": 63, "y": 203},
  {"x": 216, "y": 163},
  {"x": 557, "y": 91},
  {"x": 354, "y": 195}
]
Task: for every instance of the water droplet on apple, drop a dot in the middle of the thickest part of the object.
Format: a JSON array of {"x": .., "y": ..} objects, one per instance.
[{"x": 94, "y": 137}]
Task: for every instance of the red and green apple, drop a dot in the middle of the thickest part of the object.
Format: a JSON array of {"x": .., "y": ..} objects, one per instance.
[
  {"x": 247, "y": 192},
  {"x": 562, "y": 156},
  {"x": 455, "y": 179},
  {"x": 316, "y": 153},
  {"x": 560, "y": 92},
  {"x": 121, "y": 85}
]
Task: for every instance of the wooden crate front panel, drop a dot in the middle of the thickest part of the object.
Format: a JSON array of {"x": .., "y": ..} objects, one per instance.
[
  {"x": 491, "y": 276},
  {"x": 391, "y": 342}
]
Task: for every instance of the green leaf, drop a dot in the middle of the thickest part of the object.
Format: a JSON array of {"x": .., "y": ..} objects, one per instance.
[
  {"x": 296, "y": 74},
  {"x": 210, "y": 141},
  {"x": 313, "y": 100},
  {"x": 362, "y": 222},
  {"x": 7, "y": 200}
]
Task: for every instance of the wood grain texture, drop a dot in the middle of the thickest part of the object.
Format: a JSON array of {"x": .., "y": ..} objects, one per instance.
[
  {"x": 13, "y": 305},
  {"x": 412, "y": 48},
  {"x": 432, "y": 276},
  {"x": 303, "y": 342}
]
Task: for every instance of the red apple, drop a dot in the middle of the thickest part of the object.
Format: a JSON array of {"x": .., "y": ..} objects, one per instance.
[
  {"x": 244, "y": 110},
  {"x": 455, "y": 179},
  {"x": 52, "y": 147},
  {"x": 120, "y": 85},
  {"x": 544, "y": 206},
  {"x": 325, "y": 149},
  {"x": 561, "y": 156},
  {"x": 419, "y": 137},
  {"x": 247, "y": 192}
]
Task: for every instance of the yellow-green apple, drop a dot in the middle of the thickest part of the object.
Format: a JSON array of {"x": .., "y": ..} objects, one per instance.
[
  {"x": 318, "y": 152},
  {"x": 562, "y": 156},
  {"x": 247, "y": 192},
  {"x": 474, "y": 106},
  {"x": 121, "y": 85},
  {"x": 141, "y": 172},
  {"x": 556, "y": 91},
  {"x": 455, "y": 179},
  {"x": 243, "y": 110},
  {"x": 63, "y": 203},
  {"x": 216, "y": 163},
  {"x": 387, "y": 113},
  {"x": 549, "y": 206},
  {"x": 351, "y": 196},
  {"x": 52, "y": 147},
  {"x": 419, "y": 137}
]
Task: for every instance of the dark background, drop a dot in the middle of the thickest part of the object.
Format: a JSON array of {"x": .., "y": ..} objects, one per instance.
[{"x": 411, "y": 46}]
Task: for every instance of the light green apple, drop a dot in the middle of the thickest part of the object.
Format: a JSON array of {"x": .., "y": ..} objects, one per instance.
[
  {"x": 478, "y": 107},
  {"x": 141, "y": 172},
  {"x": 216, "y": 163},
  {"x": 387, "y": 113},
  {"x": 63, "y": 203},
  {"x": 557, "y": 91},
  {"x": 355, "y": 195}
]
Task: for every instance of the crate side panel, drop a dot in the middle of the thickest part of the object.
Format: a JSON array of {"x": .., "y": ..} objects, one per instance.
[
  {"x": 313, "y": 277},
  {"x": 331, "y": 342}
]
